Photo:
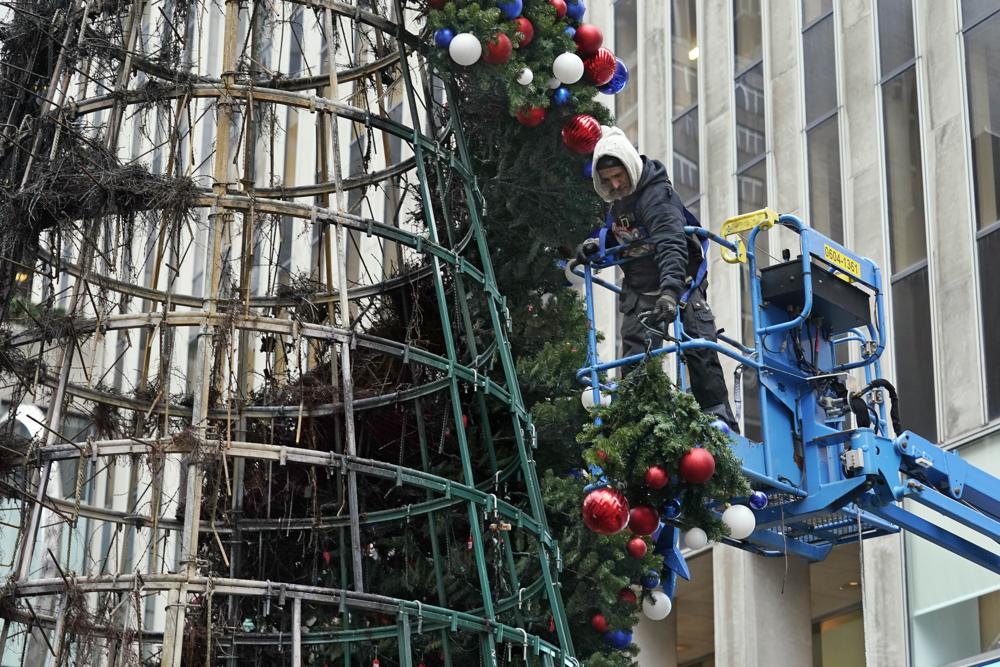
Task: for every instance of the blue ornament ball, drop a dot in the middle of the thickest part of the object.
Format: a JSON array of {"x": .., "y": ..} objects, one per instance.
[
  {"x": 618, "y": 639},
  {"x": 618, "y": 81},
  {"x": 651, "y": 579},
  {"x": 758, "y": 500},
  {"x": 588, "y": 170},
  {"x": 561, "y": 96},
  {"x": 672, "y": 509},
  {"x": 575, "y": 10},
  {"x": 570, "y": 31},
  {"x": 510, "y": 9},
  {"x": 443, "y": 37},
  {"x": 722, "y": 426}
]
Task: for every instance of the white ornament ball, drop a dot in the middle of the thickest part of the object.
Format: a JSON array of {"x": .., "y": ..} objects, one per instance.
[
  {"x": 696, "y": 538},
  {"x": 657, "y": 605},
  {"x": 525, "y": 77},
  {"x": 553, "y": 83},
  {"x": 587, "y": 398},
  {"x": 465, "y": 49},
  {"x": 567, "y": 67},
  {"x": 740, "y": 520}
]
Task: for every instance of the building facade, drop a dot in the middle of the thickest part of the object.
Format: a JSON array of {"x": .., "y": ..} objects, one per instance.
[{"x": 876, "y": 122}]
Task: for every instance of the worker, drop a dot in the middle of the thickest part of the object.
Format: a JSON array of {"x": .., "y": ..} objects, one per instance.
[{"x": 646, "y": 215}]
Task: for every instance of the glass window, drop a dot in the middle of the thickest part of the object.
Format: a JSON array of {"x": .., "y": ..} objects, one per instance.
[
  {"x": 752, "y": 188},
  {"x": 825, "y": 208},
  {"x": 752, "y": 195},
  {"x": 895, "y": 34},
  {"x": 695, "y": 208},
  {"x": 839, "y": 641},
  {"x": 982, "y": 54},
  {"x": 746, "y": 24},
  {"x": 626, "y": 48},
  {"x": 687, "y": 179},
  {"x": 911, "y": 312},
  {"x": 976, "y": 10},
  {"x": 954, "y": 604},
  {"x": 813, "y": 9},
  {"x": 684, "y": 40},
  {"x": 820, "y": 70},
  {"x": 750, "y": 143},
  {"x": 752, "y": 427},
  {"x": 989, "y": 279},
  {"x": 904, "y": 175}
]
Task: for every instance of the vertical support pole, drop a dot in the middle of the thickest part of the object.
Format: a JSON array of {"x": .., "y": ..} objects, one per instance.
[
  {"x": 57, "y": 636},
  {"x": 296, "y": 632},
  {"x": 340, "y": 249},
  {"x": 173, "y": 637},
  {"x": 403, "y": 640}
]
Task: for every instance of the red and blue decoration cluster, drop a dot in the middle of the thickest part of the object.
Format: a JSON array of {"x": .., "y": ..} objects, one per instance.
[
  {"x": 606, "y": 511},
  {"x": 591, "y": 64}
]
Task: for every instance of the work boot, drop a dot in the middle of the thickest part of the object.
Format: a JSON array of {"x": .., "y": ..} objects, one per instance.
[{"x": 723, "y": 412}]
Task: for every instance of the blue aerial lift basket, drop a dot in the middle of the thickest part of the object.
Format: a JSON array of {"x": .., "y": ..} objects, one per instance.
[{"x": 827, "y": 482}]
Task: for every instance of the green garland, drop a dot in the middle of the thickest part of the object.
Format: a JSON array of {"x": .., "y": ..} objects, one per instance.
[{"x": 651, "y": 422}]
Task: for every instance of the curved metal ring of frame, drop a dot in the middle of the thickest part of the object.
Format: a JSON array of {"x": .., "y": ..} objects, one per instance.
[
  {"x": 428, "y": 617},
  {"x": 192, "y": 301},
  {"x": 152, "y": 320},
  {"x": 248, "y": 93},
  {"x": 454, "y": 492},
  {"x": 329, "y": 460},
  {"x": 346, "y": 75}
]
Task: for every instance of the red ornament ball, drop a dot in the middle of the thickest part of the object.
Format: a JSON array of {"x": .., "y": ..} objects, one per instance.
[
  {"x": 525, "y": 27},
  {"x": 656, "y": 477},
  {"x": 643, "y": 519},
  {"x": 601, "y": 454},
  {"x": 600, "y": 67},
  {"x": 560, "y": 6},
  {"x": 697, "y": 466},
  {"x": 637, "y": 547},
  {"x": 581, "y": 133},
  {"x": 531, "y": 116},
  {"x": 437, "y": 4},
  {"x": 605, "y": 511},
  {"x": 588, "y": 39},
  {"x": 599, "y": 623},
  {"x": 498, "y": 49},
  {"x": 627, "y": 595}
]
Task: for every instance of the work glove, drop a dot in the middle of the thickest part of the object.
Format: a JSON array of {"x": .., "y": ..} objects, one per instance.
[
  {"x": 665, "y": 309},
  {"x": 586, "y": 250}
]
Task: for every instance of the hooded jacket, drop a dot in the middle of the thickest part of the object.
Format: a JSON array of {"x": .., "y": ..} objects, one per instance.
[{"x": 650, "y": 219}]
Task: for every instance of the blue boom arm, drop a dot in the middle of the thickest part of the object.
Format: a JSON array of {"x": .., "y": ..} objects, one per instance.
[{"x": 828, "y": 482}]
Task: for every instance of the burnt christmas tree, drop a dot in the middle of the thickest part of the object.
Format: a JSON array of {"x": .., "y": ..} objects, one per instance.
[{"x": 284, "y": 346}]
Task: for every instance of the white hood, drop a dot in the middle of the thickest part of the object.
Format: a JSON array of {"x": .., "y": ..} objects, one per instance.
[{"x": 614, "y": 143}]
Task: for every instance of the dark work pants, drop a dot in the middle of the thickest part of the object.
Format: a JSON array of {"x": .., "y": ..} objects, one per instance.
[{"x": 708, "y": 384}]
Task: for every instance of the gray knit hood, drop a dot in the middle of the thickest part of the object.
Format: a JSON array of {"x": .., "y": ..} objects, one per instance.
[{"x": 614, "y": 143}]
